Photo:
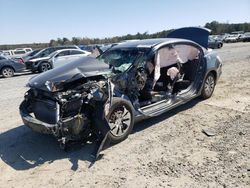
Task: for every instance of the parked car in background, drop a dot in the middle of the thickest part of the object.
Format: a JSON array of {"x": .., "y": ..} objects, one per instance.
[
  {"x": 131, "y": 81},
  {"x": 8, "y": 53},
  {"x": 214, "y": 43},
  {"x": 89, "y": 48},
  {"x": 17, "y": 53},
  {"x": 246, "y": 37},
  {"x": 47, "y": 51},
  {"x": 237, "y": 32},
  {"x": 9, "y": 66},
  {"x": 55, "y": 59},
  {"x": 106, "y": 47},
  {"x": 30, "y": 54},
  {"x": 25, "y": 49},
  {"x": 232, "y": 38}
]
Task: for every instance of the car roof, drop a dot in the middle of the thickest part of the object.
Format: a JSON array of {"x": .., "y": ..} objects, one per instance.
[
  {"x": 149, "y": 43},
  {"x": 68, "y": 49}
]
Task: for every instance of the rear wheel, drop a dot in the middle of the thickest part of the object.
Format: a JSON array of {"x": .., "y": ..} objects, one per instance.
[
  {"x": 7, "y": 72},
  {"x": 208, "y": 87},
  {"x": 44, "y": 66}
]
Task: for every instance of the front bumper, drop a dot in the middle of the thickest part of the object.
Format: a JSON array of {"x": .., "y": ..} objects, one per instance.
[
  {"x": 33, "y": 123},
  {"x": 31, "y": 66}
]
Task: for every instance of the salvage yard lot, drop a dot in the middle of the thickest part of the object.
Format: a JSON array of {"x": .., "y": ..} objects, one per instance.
[{"x": 169, "y": 151}]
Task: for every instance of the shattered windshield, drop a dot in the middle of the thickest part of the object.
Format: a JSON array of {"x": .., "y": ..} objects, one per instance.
[{"x": 121, "y": 59}]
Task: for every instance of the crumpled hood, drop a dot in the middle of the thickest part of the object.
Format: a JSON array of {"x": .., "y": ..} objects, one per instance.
[{"x": 82, "y": 67}]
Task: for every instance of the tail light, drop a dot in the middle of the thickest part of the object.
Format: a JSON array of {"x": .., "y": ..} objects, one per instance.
[{"x": 20, "y": 60}]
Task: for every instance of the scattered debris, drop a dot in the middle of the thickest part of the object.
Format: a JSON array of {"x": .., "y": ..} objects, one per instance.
[
  {"x": 241, "y": 133},
  {"x": 209, "y": 132}
]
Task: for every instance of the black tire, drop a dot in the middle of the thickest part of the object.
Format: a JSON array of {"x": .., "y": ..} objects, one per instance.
[
  {"x": 120, "y": 128},
  {"x": 44, "y": 66},
  {"x": 219, "y": 45},
  {"x": 208, "y": 86},
  {"x": 7, "y": 72},
  {"x": 119, "y": 110}
]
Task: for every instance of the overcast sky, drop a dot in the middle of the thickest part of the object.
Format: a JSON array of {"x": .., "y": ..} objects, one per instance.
[{"x": 28, "y": 21}]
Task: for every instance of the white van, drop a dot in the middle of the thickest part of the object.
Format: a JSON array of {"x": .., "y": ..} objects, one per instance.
[
  {"x": 18, "y": 52},
  {"x": 25, "y": 49}
]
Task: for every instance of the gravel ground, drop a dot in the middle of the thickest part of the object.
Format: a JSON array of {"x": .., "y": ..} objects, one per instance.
[{"x": 167, "y": 151}]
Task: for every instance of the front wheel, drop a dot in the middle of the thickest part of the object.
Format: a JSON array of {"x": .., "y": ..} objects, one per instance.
[
  {"x": 116, "y": 121},
  {"x": 120, "y": 120},
  {"x": 208, "y": 87},
  {"x": 44, "y": 66},
  {"x": 7, "y": 72}
]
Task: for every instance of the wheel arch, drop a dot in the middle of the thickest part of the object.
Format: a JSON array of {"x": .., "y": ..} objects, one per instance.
[
  {"x": 212, "y": 71},
  {"x": 43, "y": 61},
  {"x": 214, "y": 74},
  {"x": 9, "y": 66},
  {"x": 99, "y": 115},
  {"x": 40, "y": 63}
]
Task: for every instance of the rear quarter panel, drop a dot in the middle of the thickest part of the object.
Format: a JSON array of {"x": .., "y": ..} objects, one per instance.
[
  {"x": 18, "y": 67},
  {"x": 214, "y": 63},
  {"x": 6, "y": 63}
]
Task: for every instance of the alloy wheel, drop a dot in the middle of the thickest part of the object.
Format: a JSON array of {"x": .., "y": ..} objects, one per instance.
[
  {"x": 209, "y": 85},
  {"x": 45, "y": 67},
  {"x": 119, "y": 121},
  {"x": 7, "y": 72}
]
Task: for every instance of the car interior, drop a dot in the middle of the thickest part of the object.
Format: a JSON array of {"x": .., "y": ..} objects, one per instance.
[{"x": 172, "y": 69}]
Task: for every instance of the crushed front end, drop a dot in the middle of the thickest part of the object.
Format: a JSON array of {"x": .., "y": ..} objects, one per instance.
[{"x": 65, "y": 114}]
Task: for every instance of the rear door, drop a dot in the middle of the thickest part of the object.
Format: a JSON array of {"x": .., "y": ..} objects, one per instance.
[
  {"x": 75, "y": 54},
  {"x": 61, "y": 58},
  {"x": 2, "y": 61}
]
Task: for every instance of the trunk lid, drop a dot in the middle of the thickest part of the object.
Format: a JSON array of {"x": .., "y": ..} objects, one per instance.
[{"x": 196, "y": 34}]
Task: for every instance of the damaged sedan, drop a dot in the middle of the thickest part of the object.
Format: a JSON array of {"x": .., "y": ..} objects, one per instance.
[{"x": 132, "y": 81}]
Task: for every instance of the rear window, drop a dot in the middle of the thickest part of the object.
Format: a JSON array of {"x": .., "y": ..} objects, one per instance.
[
  {"x": 65, "y": 47},
  {"x": 74, "y": 52},
  {"x": 6, "y": 53},
  {"x": 19, "y": 52},
  {"x": 64, "y": 53}
]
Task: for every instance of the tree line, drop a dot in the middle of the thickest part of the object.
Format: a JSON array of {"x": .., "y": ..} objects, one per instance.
[
  {"x": 216, "y": 28},
  {"x": 221, "y": 28}
]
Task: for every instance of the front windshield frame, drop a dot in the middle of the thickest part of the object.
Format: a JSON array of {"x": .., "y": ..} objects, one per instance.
[{"x": 124, "y": 67}]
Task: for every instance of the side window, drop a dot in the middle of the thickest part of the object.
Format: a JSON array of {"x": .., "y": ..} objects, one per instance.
[
  {"x": 74, "y": 52},
  {"x": 187, "y": 53},
  {"x": 46, "y": 52},
  {"x": 19, "y": 52},
  {"x": 64, "y": 53},
  {"x": 166, "y": 56},
  {"x": 182, "y": 53},
  {"x": 6, "y": 53}
]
